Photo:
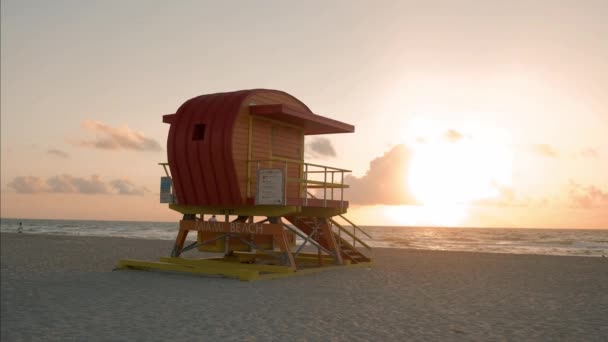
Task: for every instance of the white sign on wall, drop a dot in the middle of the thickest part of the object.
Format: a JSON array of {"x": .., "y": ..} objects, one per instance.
[{"x": 270, "y": 187}]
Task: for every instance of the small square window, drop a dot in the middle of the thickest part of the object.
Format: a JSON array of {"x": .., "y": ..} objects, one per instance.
[{"x": 199, "y": 132}]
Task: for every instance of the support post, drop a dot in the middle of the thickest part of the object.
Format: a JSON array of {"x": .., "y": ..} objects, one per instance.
[
  {"x": 285, "y": 185},
  {"x": 306, "y": 185},
  {"x": 179, "y": 243},
  {"x": 341, "y": 189},
  {"x": 227, "y": 238},
  {"x": 332, "y": 184},
  {"x": 325, "y": 187},
  {"x": 328, "y": 235}
]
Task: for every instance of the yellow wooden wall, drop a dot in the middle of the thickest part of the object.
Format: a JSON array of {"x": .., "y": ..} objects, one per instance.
[{"x": 269, "y": 139}]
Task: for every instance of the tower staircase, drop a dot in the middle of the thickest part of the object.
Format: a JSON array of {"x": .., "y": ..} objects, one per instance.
[{"x": 333, "y": 236}]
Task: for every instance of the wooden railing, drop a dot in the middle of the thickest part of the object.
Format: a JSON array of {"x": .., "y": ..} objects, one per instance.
[
  {"x": 322, "y": 178},
  {"x": 355, "y": 229}
]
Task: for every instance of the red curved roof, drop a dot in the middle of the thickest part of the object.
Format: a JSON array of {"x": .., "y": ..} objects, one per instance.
[{"x": 203, "y": 172}]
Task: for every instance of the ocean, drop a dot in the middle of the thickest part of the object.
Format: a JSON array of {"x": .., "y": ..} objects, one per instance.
[{"x": 573, "y": 242}]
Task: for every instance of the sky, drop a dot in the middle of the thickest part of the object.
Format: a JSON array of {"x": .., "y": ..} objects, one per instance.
[{"x": 467, "y": 113}]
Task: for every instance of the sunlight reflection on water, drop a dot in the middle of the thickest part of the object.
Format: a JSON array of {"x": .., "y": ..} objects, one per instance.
[{"x": 495, "y": 240}]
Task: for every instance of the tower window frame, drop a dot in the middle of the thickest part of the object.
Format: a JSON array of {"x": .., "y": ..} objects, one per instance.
[{"x": 198, "y": 132}]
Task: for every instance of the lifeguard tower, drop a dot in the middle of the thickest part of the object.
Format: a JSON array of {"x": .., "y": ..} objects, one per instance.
[{"x": 236, "y": 172}]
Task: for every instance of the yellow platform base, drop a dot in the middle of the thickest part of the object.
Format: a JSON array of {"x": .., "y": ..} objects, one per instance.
[{"x": 228, "y": 267}]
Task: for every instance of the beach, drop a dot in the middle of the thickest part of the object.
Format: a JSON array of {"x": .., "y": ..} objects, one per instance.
[{"x": 63, "y": 288}]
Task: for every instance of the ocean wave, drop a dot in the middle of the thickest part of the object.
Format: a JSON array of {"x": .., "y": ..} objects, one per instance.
[{"x": 515, "y": 241}]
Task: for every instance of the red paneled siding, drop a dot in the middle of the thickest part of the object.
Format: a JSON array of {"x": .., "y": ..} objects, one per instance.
[{"x": 204, "y": 171}]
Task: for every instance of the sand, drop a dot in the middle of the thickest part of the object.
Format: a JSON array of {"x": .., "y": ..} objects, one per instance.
[{"x": 62, "y": 288}]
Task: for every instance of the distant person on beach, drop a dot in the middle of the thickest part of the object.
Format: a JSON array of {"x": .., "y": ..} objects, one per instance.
[
  {"x": 20, "y": 229},
  {"x": 212, "y": 219}
]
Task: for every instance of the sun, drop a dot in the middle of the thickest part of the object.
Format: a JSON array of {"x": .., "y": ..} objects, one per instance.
[{"x": 460, "y": 172}]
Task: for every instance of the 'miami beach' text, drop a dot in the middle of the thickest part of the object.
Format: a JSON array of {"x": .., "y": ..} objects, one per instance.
[{"x": 232, "y": 227}]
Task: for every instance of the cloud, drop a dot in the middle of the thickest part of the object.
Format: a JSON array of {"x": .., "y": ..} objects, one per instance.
[
  {"x": 28, "y": 185},
  {"x": 115, "y": 138},
  {"x": 577, "y": 196},
  {"x": 385, "y": 182},
  {"x": 452, "y": 135},
  {"x": 321, "y": 147},
  {"x": 588, "y": 153},
  {"x": 126, "y": 187},
  {"x": 505, "y": 196},
  {"x": 68, "y": 184},
  {"x": 58, "y": 153},
  {"x": 545, "y": 150},
  {"x": 586, "y": 197}
]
